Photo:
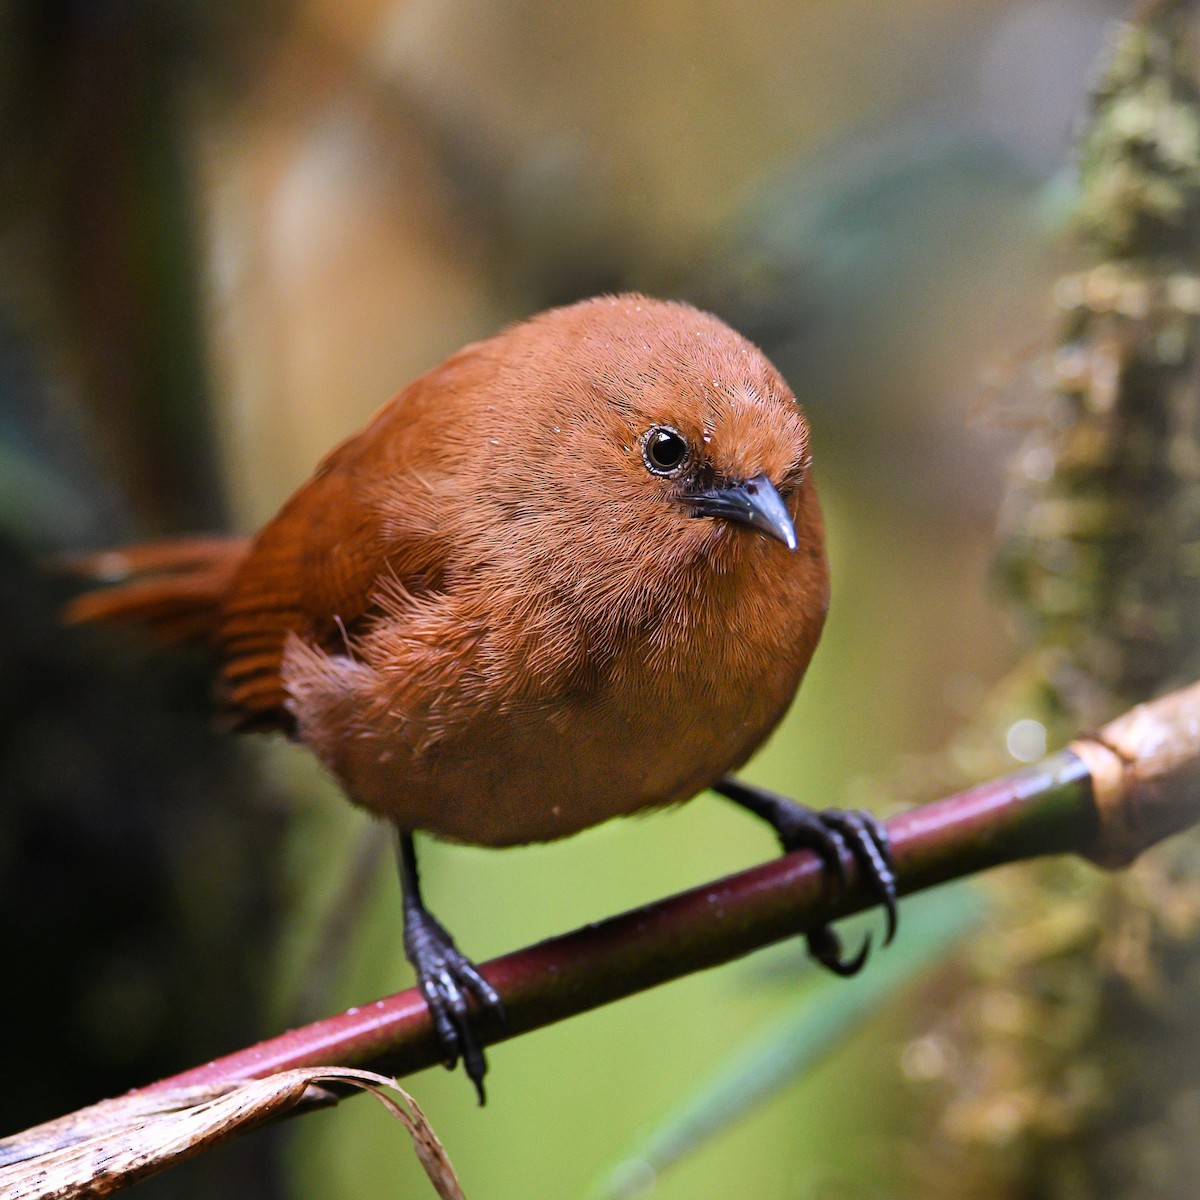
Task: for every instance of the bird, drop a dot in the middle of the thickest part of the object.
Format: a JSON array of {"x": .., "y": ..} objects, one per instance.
[{"x": 576, "y": 571}]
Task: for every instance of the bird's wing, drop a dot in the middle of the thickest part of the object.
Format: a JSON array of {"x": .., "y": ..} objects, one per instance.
[{"x": 317, "y": 569}]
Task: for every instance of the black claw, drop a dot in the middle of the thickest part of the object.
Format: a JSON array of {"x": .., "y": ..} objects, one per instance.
[
  {"x": 486, "y": 994},
  {"x": 448, "y": 979},
  {"x": 434, "y": 991},
  {"x": 870, "y": 846},
  {"x": 826, "y": 947},
  {"x": 829, "y": 834},
  {"x": 475, "y": 1066}
]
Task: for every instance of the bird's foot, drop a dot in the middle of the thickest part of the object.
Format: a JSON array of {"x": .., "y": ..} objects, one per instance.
[
  {"x": 834, "y": 835},
  {"x": 449, "y": 980}
]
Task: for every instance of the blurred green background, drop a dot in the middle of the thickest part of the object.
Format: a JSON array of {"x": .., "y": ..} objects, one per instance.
[{"x": 228, "y": 235}]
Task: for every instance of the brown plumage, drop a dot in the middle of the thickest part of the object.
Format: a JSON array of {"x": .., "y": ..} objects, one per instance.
[
  {"x": 486, "y": 615},
  {"x": 546, "y": 585}
]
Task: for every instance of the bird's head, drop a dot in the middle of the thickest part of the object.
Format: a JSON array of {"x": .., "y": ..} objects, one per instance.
[
  {"x": 719, "y": 438},
  {"x": 654, "y": 426}
]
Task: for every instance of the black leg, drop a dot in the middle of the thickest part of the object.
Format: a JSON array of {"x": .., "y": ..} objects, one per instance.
[
  {"x": 446, "y": 977},
  {"x": 831, "y": 834}
]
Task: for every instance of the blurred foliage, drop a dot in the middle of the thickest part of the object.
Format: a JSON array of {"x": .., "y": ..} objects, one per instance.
[
  {"x": 97, "y": 108},
  {"x": 844, "y": 263},
  {"x": 1101, "y": 541},
  {"x": 136, "y": 885},
  {"x": 133, "y": 899},
  {"x": 825, "y": 1012},
  {"x": 1067, "y": 1067},
  {"x": 229, "y": 232}
]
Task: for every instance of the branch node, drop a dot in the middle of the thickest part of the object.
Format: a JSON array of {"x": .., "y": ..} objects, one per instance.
[{"x": 1145, "y": 777}]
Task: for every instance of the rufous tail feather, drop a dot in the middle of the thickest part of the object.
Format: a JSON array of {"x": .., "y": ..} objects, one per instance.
[{"x": 174, "y": 589}]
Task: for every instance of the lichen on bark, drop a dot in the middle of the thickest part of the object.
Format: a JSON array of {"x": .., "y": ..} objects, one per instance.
[{"x": 1065, "y": 1068}]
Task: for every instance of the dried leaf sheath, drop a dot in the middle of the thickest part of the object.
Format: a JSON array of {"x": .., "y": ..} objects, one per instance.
[{"x": 108, "y": 1146}]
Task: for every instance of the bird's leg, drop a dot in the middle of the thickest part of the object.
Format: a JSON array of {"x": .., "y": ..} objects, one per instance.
[
  {"x": 445, "y": 976},
  {"x": 830, "y": 833}
]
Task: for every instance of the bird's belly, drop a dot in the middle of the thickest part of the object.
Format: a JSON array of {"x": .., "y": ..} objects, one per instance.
[
  {"x": 541, "y": 777},
  {"x": 541, "y": 771}
]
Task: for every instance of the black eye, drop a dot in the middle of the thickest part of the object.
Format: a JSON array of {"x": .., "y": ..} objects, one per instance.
[{"x": 665, "y": 450}]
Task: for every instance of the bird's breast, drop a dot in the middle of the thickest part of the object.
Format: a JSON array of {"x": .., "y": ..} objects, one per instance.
[{"x": 499, "y": 732}]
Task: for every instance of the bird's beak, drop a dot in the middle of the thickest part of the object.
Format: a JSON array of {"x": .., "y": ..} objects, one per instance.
[{"x": 755, "y": 503}]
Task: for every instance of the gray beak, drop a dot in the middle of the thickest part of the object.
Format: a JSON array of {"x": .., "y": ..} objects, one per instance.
[{"x": 755, "y": 503}]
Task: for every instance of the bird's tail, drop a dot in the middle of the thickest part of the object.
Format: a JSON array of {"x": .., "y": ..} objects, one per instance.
[{"x": 174, "y": 589}]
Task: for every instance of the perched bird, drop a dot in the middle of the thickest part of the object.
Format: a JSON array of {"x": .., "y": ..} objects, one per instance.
[{"x": 576, "y": 571}]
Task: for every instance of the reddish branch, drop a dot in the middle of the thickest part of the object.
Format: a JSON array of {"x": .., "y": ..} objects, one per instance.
[{"x": 1106, "y": 797}]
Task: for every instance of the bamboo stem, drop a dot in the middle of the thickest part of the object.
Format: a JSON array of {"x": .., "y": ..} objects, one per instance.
[
  {"x": 1105, "y": 796},
  {"x": 1149, "y": 785}
]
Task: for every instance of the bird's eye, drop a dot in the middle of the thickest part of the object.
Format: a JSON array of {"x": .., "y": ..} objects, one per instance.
[{"x": 665, "y": 450}]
